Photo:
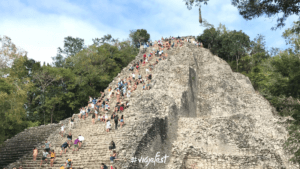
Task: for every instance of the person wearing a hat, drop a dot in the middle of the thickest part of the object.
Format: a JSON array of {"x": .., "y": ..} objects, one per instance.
[
  {"x": 68, "y": 163},
  {"x": 62, "y": 167}
]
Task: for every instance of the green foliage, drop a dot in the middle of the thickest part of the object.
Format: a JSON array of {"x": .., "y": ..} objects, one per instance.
[
  {"x": 139, "y": 36},
  {"x": 226, "y": 44},
  {"x": 191, "y": 3},
  {"x": 292, "y": 37},
  {"x": 253, "y": 9},
  {"x": 13, "y": 95},
  {"x": 105, "y": 39},
  {"x": 71, "y": 47},
  {"x": 34, "y": 94}
]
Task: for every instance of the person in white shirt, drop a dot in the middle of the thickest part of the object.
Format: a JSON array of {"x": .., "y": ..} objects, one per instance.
[
  {"x": 128, "y": 94},
  {"x": 133, "y": 75},
  {"x": 83, "y": 113},
  {"x": 62, "y": 130},
  {"x": 147, "y": 70},
  {"x": 80, "y": 138},
  {"x": 44, "y": 158},
  {"x": 108, "y": 125},
  {"x": 96, "y": 113}
]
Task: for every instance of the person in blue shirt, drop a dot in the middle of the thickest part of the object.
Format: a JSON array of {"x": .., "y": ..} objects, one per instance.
[
  {"x": 64, "y": 147},
  {"x": 94, "y": 101}
]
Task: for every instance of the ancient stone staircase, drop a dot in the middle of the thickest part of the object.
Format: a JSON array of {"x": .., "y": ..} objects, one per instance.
[
  {"x": 94, "y": 150},
  {"x": 14, "y": 148}
]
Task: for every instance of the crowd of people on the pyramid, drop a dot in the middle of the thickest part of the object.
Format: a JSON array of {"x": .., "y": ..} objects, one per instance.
[{"x": 100, "y": 108}]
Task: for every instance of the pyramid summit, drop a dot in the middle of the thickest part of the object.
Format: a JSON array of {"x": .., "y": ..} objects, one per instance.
[{"x": 196, "y": 113}]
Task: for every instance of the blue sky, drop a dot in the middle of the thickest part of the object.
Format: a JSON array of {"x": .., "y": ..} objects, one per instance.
[{"x": 39, "y": 27}]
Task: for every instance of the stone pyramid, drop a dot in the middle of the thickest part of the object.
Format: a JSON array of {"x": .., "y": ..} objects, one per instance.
[{"x": 198, "y": 114}]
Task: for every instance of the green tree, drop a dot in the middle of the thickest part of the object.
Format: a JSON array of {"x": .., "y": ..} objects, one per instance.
[
  {"x": 71, "y": 47},
  {"x": 191, "y": 3},
  {"x": 13, "y": 95},
  {"x": 139, "y": 36},
  {"x": 292, "y": 38},
  {"x": 44, "y": 79},
  {"x": 237, "y": 43},
  {"x": 254, "y": 8},
  {"x": 105, "y": 39}
]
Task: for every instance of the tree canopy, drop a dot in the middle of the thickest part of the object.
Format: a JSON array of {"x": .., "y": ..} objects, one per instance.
[
  {"x": 251, "y": 9},
  {"x": 139, "y": 36},
  {"x": 36, "y": 94}
]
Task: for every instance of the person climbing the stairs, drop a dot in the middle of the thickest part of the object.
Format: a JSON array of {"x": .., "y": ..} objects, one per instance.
[
  {"x": 93, "y": 118},
  {"x": 121, "y": 121},
  {"x": 62, "y": 130},
  {"x": 69, "y": 163},
  {"x": 69, "y": 138},
  {"x": 144, "y": 56},
  {"x": 44, "y": 158},
  {"x": 106, "y": 106},
  {"x": 47, "y": 146},
  {"x": 76, "y": 142},
  {"x": 108, "y": 126},
  {"x": 53, "y": 156},
  {"x": 106, "y": 117},
  {"x": 72, "y": 122},
  {"x": 83, "y": 113},
  {"x": 122, "y": 108},
  {"x": 116, "y": 118},
  {"x": 96, "y": 113},
  {"x": 35, "y": 153},
  {"x": 80, "y": 138},
  {"x": 79, "y": 114},
  {"x": 64, "y": 147}
]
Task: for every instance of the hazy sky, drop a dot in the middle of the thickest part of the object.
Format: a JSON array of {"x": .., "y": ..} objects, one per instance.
[{"x": 39, "y": 27}]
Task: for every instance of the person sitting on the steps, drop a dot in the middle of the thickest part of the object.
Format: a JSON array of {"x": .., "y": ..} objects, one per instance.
[
  {"x": 103, "y": 166},
  {"x": 113, "y": 156},
  {"x": 111, "y": 145}
]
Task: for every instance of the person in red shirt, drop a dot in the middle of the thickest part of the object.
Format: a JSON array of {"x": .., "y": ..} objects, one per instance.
[{"x": 145, "y": 56}]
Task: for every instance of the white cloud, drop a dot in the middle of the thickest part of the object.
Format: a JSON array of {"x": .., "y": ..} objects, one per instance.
[
  {"x": 41, "y": 26},
  {"x": 42, "y": 37}
]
